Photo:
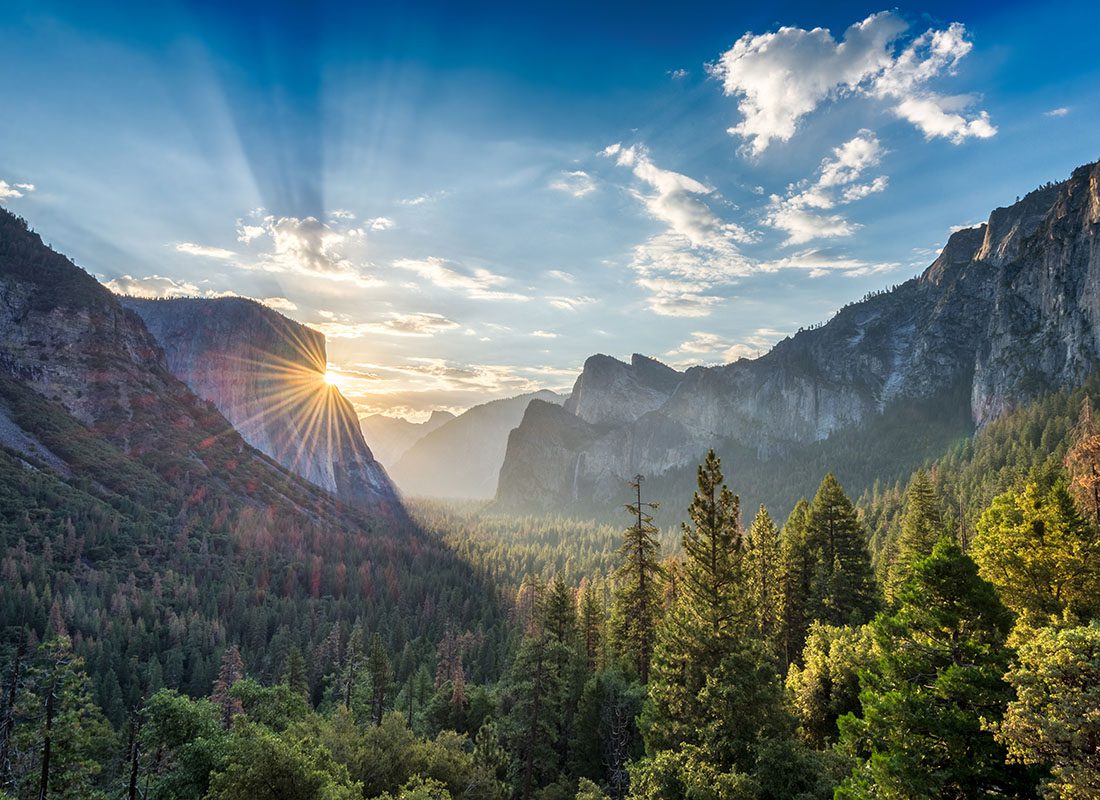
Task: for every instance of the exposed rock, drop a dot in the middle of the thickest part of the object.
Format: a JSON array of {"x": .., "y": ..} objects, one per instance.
[
  {"x": 1010, "y": 308},
  {"x": 265, "y": 373}
]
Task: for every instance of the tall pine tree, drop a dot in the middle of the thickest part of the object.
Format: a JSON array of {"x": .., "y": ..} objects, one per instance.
[
  {"x": 921, "y": 527},
  {"x": 637, "y": 606}
]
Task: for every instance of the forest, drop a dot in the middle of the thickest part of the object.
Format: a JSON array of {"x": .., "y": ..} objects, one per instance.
[{"x": 932, "y": 638}]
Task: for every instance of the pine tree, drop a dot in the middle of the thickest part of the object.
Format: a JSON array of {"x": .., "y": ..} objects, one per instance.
[
  {"x": 637, "y": 606},
  {"x": 921, "y": 527},
  {"x": 763, "y": 573},
  {"x": 231, "y": 671},
  {"x": 937, "y": 686},
  {"x": 559, "y": 615},
  {"x": 1083, "y": 461},
  {"x": 591, "y": 624},
  {"x": 842, "y": 588},
  {"x": 294, "y": 672},
  {"x": 795, "y": 576},
  {"x": 709, "y": 615},
  {"x": 351, "y": 669},
  {"x": 381, "y": 677}
]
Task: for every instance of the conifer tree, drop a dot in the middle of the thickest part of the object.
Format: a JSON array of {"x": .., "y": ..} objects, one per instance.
[
  {"x": 711, "y": 613},
  {"x": 921, "y": 527},
  {"x": 637, "y": 606},
  {"x": 938, "y": 685},
  {"x": 381, "y": 678},
  {"x": 294, "y": 672},
  {"x": 763, "y": 573},
  {"x": 842, "y": 588},
  {"x": 231, "y": 671},
  {"x": 352, "y": 667},
  {"x": 795, "y": 576},
  {"x": 591, "y": 624},
  {"x": 559, "y": 614}
]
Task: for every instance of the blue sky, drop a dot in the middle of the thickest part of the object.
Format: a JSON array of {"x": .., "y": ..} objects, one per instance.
[{"x": 470, "y": 199}]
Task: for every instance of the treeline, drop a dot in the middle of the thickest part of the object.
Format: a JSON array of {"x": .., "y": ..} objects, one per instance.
[{"x": 925, "y": 647}]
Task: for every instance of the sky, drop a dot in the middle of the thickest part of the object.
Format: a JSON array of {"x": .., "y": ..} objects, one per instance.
[{"x": 470, "y": 199}]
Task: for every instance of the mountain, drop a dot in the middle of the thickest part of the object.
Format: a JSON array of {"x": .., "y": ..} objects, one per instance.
[
  {"x": 134, "y": 517},
  {"x": 265, "y": 374},
  {"x": 462, "y": 458},
  {"x": 1008, "y": 310},
  {"x": 390, "y": 437}
]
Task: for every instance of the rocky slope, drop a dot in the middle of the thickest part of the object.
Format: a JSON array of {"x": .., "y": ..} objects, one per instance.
[
  {"x": 265, "y": 373},
  {"x": 389, "y": 437},
  {"x": 462, "y": 458},
  {"x": 1007, "y": 310}
]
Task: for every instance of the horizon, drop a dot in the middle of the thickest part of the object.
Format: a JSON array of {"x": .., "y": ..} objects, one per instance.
[{"x": 468, "y": 222}]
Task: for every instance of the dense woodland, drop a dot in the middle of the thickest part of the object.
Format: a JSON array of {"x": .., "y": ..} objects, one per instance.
[{"x": 936, "y": 638}]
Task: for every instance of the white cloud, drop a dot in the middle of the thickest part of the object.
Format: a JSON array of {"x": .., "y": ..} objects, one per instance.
[
  {"x": 395, "y": 324},
  {"x": 779, "y": 78},
  {"x": 8, "y": 191},
  {"x": 800, "y": 213},
  {"x": 1056, "y": 112},
  {"x": 678, "y": 74},
  {"x": 577, "y": 183},
  {"x": 558, "y": 274},
  {"x": 820, "y": 263},
  {"x": 152, "y": 286},
  {"x": 698, "y": 249},
  {"x": 479, "y": 284},
  {"x": 381, "y": 223},
  {"x": 565, "y": 303},
  {"x": 341, "y": 213},
  {"x": 420, "y": 200},
  {"x": 279, "y": 303},
  {"x": 710, "y": 348},
  {"x": 204, "y": 251},
  {"x": 544, "y": 335}
]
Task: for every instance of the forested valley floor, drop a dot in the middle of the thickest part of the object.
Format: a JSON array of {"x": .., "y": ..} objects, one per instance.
[{"x": 937, "y": 637}]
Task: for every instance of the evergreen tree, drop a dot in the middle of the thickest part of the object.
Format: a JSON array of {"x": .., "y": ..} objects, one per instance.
[
  {"x": 352, "y": 667},
  {"x": 826, "y": 685},
  {"x": 381, "y": 678},
  {"x": 559, "y": 614},
  {"x": 842, "y": 589},
  {"x": 591, "y": 622},
  {"x": 795, "y": 577},
  {"x": 937, "y": 685},
  {"x": 231, "y": 671},
  {"x": 637, "y": 606},
  {"x": 921, "y": 527},
  {"x": 709, "y": 616},
  {"x": 764, "y": 571},
  {"x": 294, "y": 672}
]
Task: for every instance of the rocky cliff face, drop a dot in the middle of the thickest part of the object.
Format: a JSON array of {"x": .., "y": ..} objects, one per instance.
[
  {"x": 1010, "y": 308},
  {"x": 265, "y": 373}
]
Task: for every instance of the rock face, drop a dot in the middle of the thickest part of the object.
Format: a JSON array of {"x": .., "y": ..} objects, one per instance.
[
  {"x": 389, "y": 437},
  {"x": 1010, "y": 308},
  {"x": 462, "y": 458},
  {"x": 265, "y": 374}
]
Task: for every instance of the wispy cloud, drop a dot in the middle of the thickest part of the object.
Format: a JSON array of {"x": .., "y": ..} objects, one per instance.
[
  {"x": 204, "y": 251},
  {"x": 341, "y": 326},
  {"x": 779, "y": 78},
  {"x": 1056, "y": 112},
  {"x": 479, "y": 283},
  {"x": 711, "y": 348},
  {"x": 577, "y": 183}
]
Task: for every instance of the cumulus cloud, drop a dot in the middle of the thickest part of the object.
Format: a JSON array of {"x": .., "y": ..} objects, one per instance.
[
  {"x": 1056, "y": 112},
  {"x": 697, "y": 251},
  {"x": 803, "y": 212},
  {"x": 779, "y": 78},
  {"x": 577, "y": 183},
  {"x": 204, "y": 251},
  {"x": 279, "y": 303},
  {"x": 341, "y": 213},
  {"x": 152, "y": 286},
  {"x": 479, "y": 283},
  {"x": 12, "y": 192},
  {"x": 381, "y": 223}
]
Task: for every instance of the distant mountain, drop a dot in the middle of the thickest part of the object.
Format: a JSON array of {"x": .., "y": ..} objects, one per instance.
[
  {"x": 462, "y": 458},
  {"x": 265, "y": 373},
  {"x": 1007, "y": 311},
  {"x": 390, "y": 437}
]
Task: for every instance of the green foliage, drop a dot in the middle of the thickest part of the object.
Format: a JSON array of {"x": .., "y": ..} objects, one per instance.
[
  {"x": 764, "y": 572},
  {"x": 826, "y": 685},
  {"x": 637, "y": 600},
  {"x": 1053, "y": 720},
  {"x": 259, "y": 761},
  {"x": 937, "y": 683},
  {"x": 921, "y": 527},
  {"x": 1041, "y": 554}
]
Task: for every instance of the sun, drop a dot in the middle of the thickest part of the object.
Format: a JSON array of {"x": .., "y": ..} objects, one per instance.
[{"x": 331, "y": 378}]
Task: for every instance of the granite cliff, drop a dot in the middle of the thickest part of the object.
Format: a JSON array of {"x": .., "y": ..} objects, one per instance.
[
  {"x": 265, "y": 374},
  {"x": 1008, "y": 310}
]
